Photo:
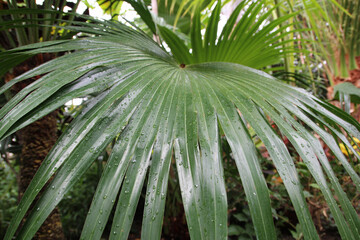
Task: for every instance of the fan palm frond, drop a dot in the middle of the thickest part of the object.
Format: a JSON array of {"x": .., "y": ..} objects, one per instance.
[
  {"x": 251, "y": 40},
  {"x": 153, "y": 109}
]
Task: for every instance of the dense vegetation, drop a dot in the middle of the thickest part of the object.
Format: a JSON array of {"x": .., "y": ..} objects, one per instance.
[{"x": 188, "y": 128}]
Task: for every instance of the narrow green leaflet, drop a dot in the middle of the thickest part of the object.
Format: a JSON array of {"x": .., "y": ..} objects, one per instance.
[
  {"x": 248, "y": 165},
  {"x": 76, "y": 164},
  {"x": 118, "y": 162},
  {"x": 186, "y": 156},
  {"x": 85, "y": 85},
  {"x": 302, "y": 144},
  {"x": 275, "y": 146},
  {"x": 159, "y": 169},
  {"x": 145, "y": 132},
  {"x": 211, "y": 169}
]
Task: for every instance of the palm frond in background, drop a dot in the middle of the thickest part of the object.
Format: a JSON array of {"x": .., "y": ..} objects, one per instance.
[
  {"x": 252, "y": 40},
  {"x": 41, "y": 21},
  {"x": 335, "y": 31}
]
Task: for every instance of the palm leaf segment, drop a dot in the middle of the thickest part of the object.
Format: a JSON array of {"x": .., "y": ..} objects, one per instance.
[
  {"x": 153, "y": 109},
  {"x": 247, "y": 38}
]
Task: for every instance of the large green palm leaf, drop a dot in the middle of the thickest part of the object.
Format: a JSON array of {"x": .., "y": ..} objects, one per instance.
[
  {"x": 153, "y": 108},
  {"x": 250, "y": 37}
]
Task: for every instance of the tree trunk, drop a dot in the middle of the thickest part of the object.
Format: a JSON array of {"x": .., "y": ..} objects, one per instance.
[{"x": 37, "y": 139}]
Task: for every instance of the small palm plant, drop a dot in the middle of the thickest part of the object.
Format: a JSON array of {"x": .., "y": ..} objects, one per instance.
[
  {"x": 156, "y": 107},
  {"x": 336, "y": 35}
]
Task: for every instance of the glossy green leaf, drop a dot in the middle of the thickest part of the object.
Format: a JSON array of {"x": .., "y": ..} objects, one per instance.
[{"x": 153, "y": 109}]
